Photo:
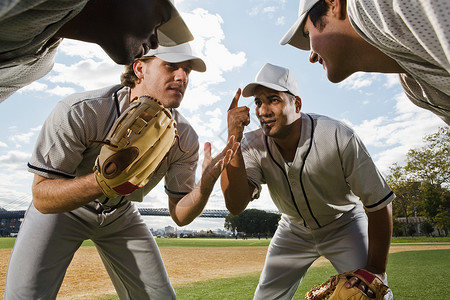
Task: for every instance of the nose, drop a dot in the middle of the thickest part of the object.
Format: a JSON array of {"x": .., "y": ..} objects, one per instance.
[
  {"x": 181, "y": 75},
  {"x": 313, "y": 57},
  {"x": 263, "y": 110}
]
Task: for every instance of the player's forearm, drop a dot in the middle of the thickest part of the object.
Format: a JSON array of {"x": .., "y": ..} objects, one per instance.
[
  {"x": 380, "y": 233},
  {"x": 62, "y": 195},
  {"x": 234, "y": 184},
  {"x": 183, "y": 211}
]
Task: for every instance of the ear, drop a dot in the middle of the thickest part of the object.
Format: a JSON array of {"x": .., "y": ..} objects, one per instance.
[
  {"x": 138, "y": 66},
  {"x": 298, "y": 104},
  {"x": 338, "y": 8}
]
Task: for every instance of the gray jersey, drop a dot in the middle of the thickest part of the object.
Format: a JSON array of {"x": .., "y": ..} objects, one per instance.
[
  {"x": 27, "y": 47},
  {"x": 416, "y": 34},
  {"x": 65, "y": 148},
  {"x": 331, "y": 174}
]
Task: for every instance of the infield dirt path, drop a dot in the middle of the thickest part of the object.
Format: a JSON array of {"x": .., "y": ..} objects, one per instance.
[{"x": 86, "y": 277}]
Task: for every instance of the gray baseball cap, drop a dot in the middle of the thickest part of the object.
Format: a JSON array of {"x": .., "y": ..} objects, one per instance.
[
  {"x": 174, "y": 31},
  {"x": 275, "y": 78},
  {"x": 178, "y": 54},
  {"x": 295, "y": 35}
]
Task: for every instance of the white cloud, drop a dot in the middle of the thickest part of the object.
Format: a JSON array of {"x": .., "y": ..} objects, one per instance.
[
  {"x": 14, "y": 160},
  {"x": 397, "y": 134},
  {"x": 88, "y": 74},
  {"x": 391, "y": 80},
  {"x": 84, "y": 50},
  {"x": 280, "y": 21},
  {"x": 358, "y": 80},
  {"x": 61, "y": 91},
  {"x": 25, "y": 138},
  {"x": 269, "y": 9},
  {"x": 11, "y": 199},
  {"x": 3, "y": 145},
  {"x": 34, "y": 87}
]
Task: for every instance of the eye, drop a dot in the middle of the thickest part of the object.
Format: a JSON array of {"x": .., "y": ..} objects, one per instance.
[
  {"x": 171, "y": 67},
  {"x": 274, "y": 100},
  {"x": 258, "y": 103}
]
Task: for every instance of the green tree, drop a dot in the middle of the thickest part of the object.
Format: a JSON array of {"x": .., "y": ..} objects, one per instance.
[
  {"x": 431, "y": 163},
  {"x": 422, "y": 186},
  {"x": 252, "y": 221},
  {"x": 407, "y": 193}
]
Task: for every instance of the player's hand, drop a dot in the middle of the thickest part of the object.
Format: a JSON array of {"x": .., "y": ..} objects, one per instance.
[
  {"x": 355, "y": 281},
  {"x": 238, "y": 118},
  {"x": 213, "y": 167}
]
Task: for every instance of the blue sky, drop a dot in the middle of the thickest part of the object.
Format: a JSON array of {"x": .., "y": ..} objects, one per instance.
[{"x": 235, "y": 38}]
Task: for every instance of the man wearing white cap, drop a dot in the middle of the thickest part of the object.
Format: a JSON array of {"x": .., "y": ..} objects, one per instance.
[
  {"x": 69, "y": 207},
  {"x": 319, "y": 176},
  {"x": 406, "y": 37},
  {"x": 30, "y": 32}
]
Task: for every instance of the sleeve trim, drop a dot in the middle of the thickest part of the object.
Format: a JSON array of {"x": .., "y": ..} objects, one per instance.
[
  {"x": 174, "y": 193},
  {"x": 381, "y": 201},
  {"x": 49, "y": 171}
]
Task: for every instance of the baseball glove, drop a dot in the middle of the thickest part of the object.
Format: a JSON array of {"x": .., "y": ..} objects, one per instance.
[
  {"x": 135, "y": 146},
  {"x": 334, "y": 288}
]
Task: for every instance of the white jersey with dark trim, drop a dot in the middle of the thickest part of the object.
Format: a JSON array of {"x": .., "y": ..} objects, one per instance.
[
  {"x": 64, "y": 148},
  {"x": 332, "y": 172}
]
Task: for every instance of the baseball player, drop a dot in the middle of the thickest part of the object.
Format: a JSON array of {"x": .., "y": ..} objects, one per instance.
[
  {"x": 406, "y": 37},
  {"x": 333, "y": 200},
  {"x": 68, "y": 206},
  {"x": 30, "y": 32}
]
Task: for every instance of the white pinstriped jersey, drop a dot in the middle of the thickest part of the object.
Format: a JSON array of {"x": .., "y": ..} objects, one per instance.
[
  {"x": 27, "y": 50},
  {"x": 332, "y": 172},
  {"x": 64, "y": 150},
  {"x": 416, "y": 34}
]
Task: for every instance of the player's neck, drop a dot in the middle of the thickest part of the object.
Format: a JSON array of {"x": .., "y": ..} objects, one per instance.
[{"x": 287, "y": 145}]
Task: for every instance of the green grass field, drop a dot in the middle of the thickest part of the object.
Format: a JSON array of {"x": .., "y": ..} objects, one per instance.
[
  {"x": 8, "y": 242},
  {"x": 412, "y": 274}
]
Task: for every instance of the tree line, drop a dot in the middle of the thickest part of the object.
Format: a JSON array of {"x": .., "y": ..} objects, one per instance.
[{"x": 422, "y": 186}]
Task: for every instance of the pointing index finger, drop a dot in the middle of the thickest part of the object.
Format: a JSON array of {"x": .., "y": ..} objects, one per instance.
[{"x": 234, "y": 102}]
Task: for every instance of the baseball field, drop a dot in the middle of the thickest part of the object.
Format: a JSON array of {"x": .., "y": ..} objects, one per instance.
[{"x": 229, "y": 269}]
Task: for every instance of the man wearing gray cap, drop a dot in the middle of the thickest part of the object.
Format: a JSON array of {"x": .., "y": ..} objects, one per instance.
[
  {"x": 406, "y": 37},
  {"x": 333, "y": 200},
  {"x": 69, "y": 207},
  {"x": 31, "y": 31}
]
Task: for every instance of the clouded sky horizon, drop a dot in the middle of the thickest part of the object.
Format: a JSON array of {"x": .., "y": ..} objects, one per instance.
[{"x": 235, "y": 38}]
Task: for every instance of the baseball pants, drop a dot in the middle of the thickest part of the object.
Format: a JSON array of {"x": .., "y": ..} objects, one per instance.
[
  {"x": 47, "y": 243},
  {"x": 294, "y": 248}
]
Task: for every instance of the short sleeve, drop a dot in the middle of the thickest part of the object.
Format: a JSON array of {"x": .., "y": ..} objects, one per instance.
[
  {"x": 363, "y": 176},
  {"x": 60, "y": 145},
  {"x": 252, "y": 168}
]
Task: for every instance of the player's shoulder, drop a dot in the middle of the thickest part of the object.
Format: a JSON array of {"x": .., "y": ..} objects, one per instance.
[
  {"x": 183, "y": 125},
  {"x": 91, "y": 97},
  {"x": 327, "y": 123},
  {"x": 254, "y": 139}
]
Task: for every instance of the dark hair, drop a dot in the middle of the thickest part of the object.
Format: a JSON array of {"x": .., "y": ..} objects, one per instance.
[
  {"x": 128, "y": 77},
  {"x": 317, "y": 12}
]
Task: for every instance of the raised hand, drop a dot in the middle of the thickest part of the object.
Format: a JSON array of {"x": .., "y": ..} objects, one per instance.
[
  {"x": 213, "y": 167},
  {"x": 238, "y": 118}
]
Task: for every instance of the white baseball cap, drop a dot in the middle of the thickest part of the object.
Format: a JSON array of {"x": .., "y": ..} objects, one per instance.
[
  {"x": 295, "y": 35},
  {"x": 174, "y": 31},
  {"x": 275, "y": 78},
  {"x": 178, "y": 54}
]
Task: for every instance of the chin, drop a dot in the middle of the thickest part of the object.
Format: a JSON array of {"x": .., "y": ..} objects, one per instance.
[
  {"x": 336, "y": 78},
  {"x": 123, "y": 58}
]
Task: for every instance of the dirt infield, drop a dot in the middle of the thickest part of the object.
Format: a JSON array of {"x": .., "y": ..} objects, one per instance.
[{"x": 86, "y": 277}]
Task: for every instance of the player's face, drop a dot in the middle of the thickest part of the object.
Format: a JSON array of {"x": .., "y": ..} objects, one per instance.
[
  {"x": 166, "y": 81},
  {"x": 134, "y": 33},
  {"x": 332, "y": 48},
  {"x": 276, "y": 111}
]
